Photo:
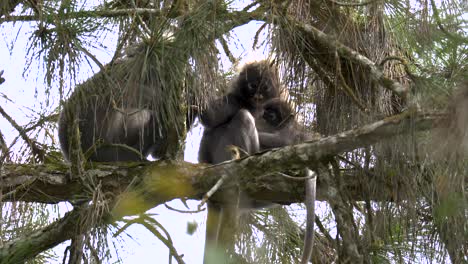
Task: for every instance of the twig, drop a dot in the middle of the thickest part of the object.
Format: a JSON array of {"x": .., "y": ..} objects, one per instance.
[
  {"x": 167, "y": 242},
  {"x": 332, "y": 43},
  {"x": 86, "y": 13},
  {"x": 257, "y": 35},
  {"x": 354, "y": 4},
  {"x": 36, "y": 150},
  {"x": 295, "y": 178},
  {"x": 183, "y": 211},
  {"x": 227, "y": 51},
  {"x": 250, "y": 5},
  {"x": 212, "y": 190},
  {"x": 346, "y": 88},
  {"x": 3, "y": 147},
  {"x": 442, "y": 28},
  {"x": 2, "y": 80}
]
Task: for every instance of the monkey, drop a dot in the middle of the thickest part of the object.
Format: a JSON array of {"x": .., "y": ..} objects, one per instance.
[
  {"x": 126, "y": 135},
  {"x": 230, "y": 121},
  {"x": 119, "y": 116},
  {"x": 240, "y": 131},
  {"x": 256, "y": 83},
  {"x": 278, "y": 127}
]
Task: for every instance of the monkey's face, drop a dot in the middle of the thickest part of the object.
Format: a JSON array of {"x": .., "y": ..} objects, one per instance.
[
  {"x": 272, "y": 116},
  {"x": 277, "y": 112},
  {"x": 256, "y": 85}
]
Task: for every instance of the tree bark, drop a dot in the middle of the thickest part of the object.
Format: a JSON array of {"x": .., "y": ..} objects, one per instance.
[
  {"x": 52, "y": 183},
  {"x": 154, "y": 183}
]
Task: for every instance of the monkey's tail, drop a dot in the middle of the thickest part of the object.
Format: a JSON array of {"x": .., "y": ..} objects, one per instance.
[{"x": 310, "y": 193}]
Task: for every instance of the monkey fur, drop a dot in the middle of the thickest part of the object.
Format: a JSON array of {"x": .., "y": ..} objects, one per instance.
[
  {"x": 278, "y": 127},
  {"x": 256, "y": 83},
  {"x": 230, "y": 120},
  {"x": 118, "y": 115}
]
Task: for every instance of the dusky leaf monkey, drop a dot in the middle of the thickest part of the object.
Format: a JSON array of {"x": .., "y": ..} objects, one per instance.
[
  {"x": 256, "y": 83},
  {"x": 118, "y": 113},
  {"x": 278, "y": 127},
  {"x": 253, "y": 116},
  {"x": 230, "y": 121}
]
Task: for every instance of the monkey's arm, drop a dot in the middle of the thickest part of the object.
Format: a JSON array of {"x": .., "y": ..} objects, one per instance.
[{"x": 219, "y": 111}]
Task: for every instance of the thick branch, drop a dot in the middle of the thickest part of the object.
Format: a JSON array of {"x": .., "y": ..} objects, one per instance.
[
  {"x": 19, "y": 250},
  {"x": 154, "y": 183},
  {"x": 163, "y": 181}
]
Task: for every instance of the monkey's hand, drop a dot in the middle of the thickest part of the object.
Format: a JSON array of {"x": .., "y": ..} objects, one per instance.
[{"x": 236, "y": 152}]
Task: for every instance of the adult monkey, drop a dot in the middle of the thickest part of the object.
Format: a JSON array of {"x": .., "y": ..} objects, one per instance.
[
  {"x": 230, "y": 120},
  {"x": 256, "y": 83},
  {"x": 118, "y": 113},
  {"x": 277, "y": 127}
]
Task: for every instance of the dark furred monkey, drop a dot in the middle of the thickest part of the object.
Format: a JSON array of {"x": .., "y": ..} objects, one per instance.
[
  {"x": 125, "y": 135},
  {"x": 117, "y": 112},
  {"x": 230, "y": 120},
  {"x": 225, "y": 124},
  {"x": 256, "y": 83},
  {"x": 240, "y": 131},
  {"x": 277, "y": 125}
]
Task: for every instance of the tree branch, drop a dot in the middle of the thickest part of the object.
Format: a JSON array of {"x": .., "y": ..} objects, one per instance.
[
  {"x": 8, "y": 6},
  {"x": 154, "y": 183},
  {"x": 21, "y": 249},
  {"x": 329, "y": 44},
  {"x": 86, "y": 14},
  {"x": 37, "y": 151},
  {"x": 163, "y": 181}
]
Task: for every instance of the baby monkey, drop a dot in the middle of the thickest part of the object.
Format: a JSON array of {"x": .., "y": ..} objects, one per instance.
[{"x": 278, "y": 127}]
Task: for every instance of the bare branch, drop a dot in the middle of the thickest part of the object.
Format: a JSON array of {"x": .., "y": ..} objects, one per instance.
[{"x": 36, "y": 150}]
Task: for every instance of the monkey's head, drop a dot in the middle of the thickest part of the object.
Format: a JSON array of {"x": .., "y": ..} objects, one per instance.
[
  {"x": 257, "y": 82},
  {"x": 277, "y": 112}
]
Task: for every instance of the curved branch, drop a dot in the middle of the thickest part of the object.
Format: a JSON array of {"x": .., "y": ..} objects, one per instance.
[
  {"x": 19, "y": 250},
  {"x": 163, "y": 181},
  {"x": 35, "y": 149},
  {"x": 330, "y": 44},
  {"x": 154, "y": 183}
]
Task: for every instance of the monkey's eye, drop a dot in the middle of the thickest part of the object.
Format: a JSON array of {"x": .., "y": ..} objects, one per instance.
[{"x": 252, "y": 88}]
